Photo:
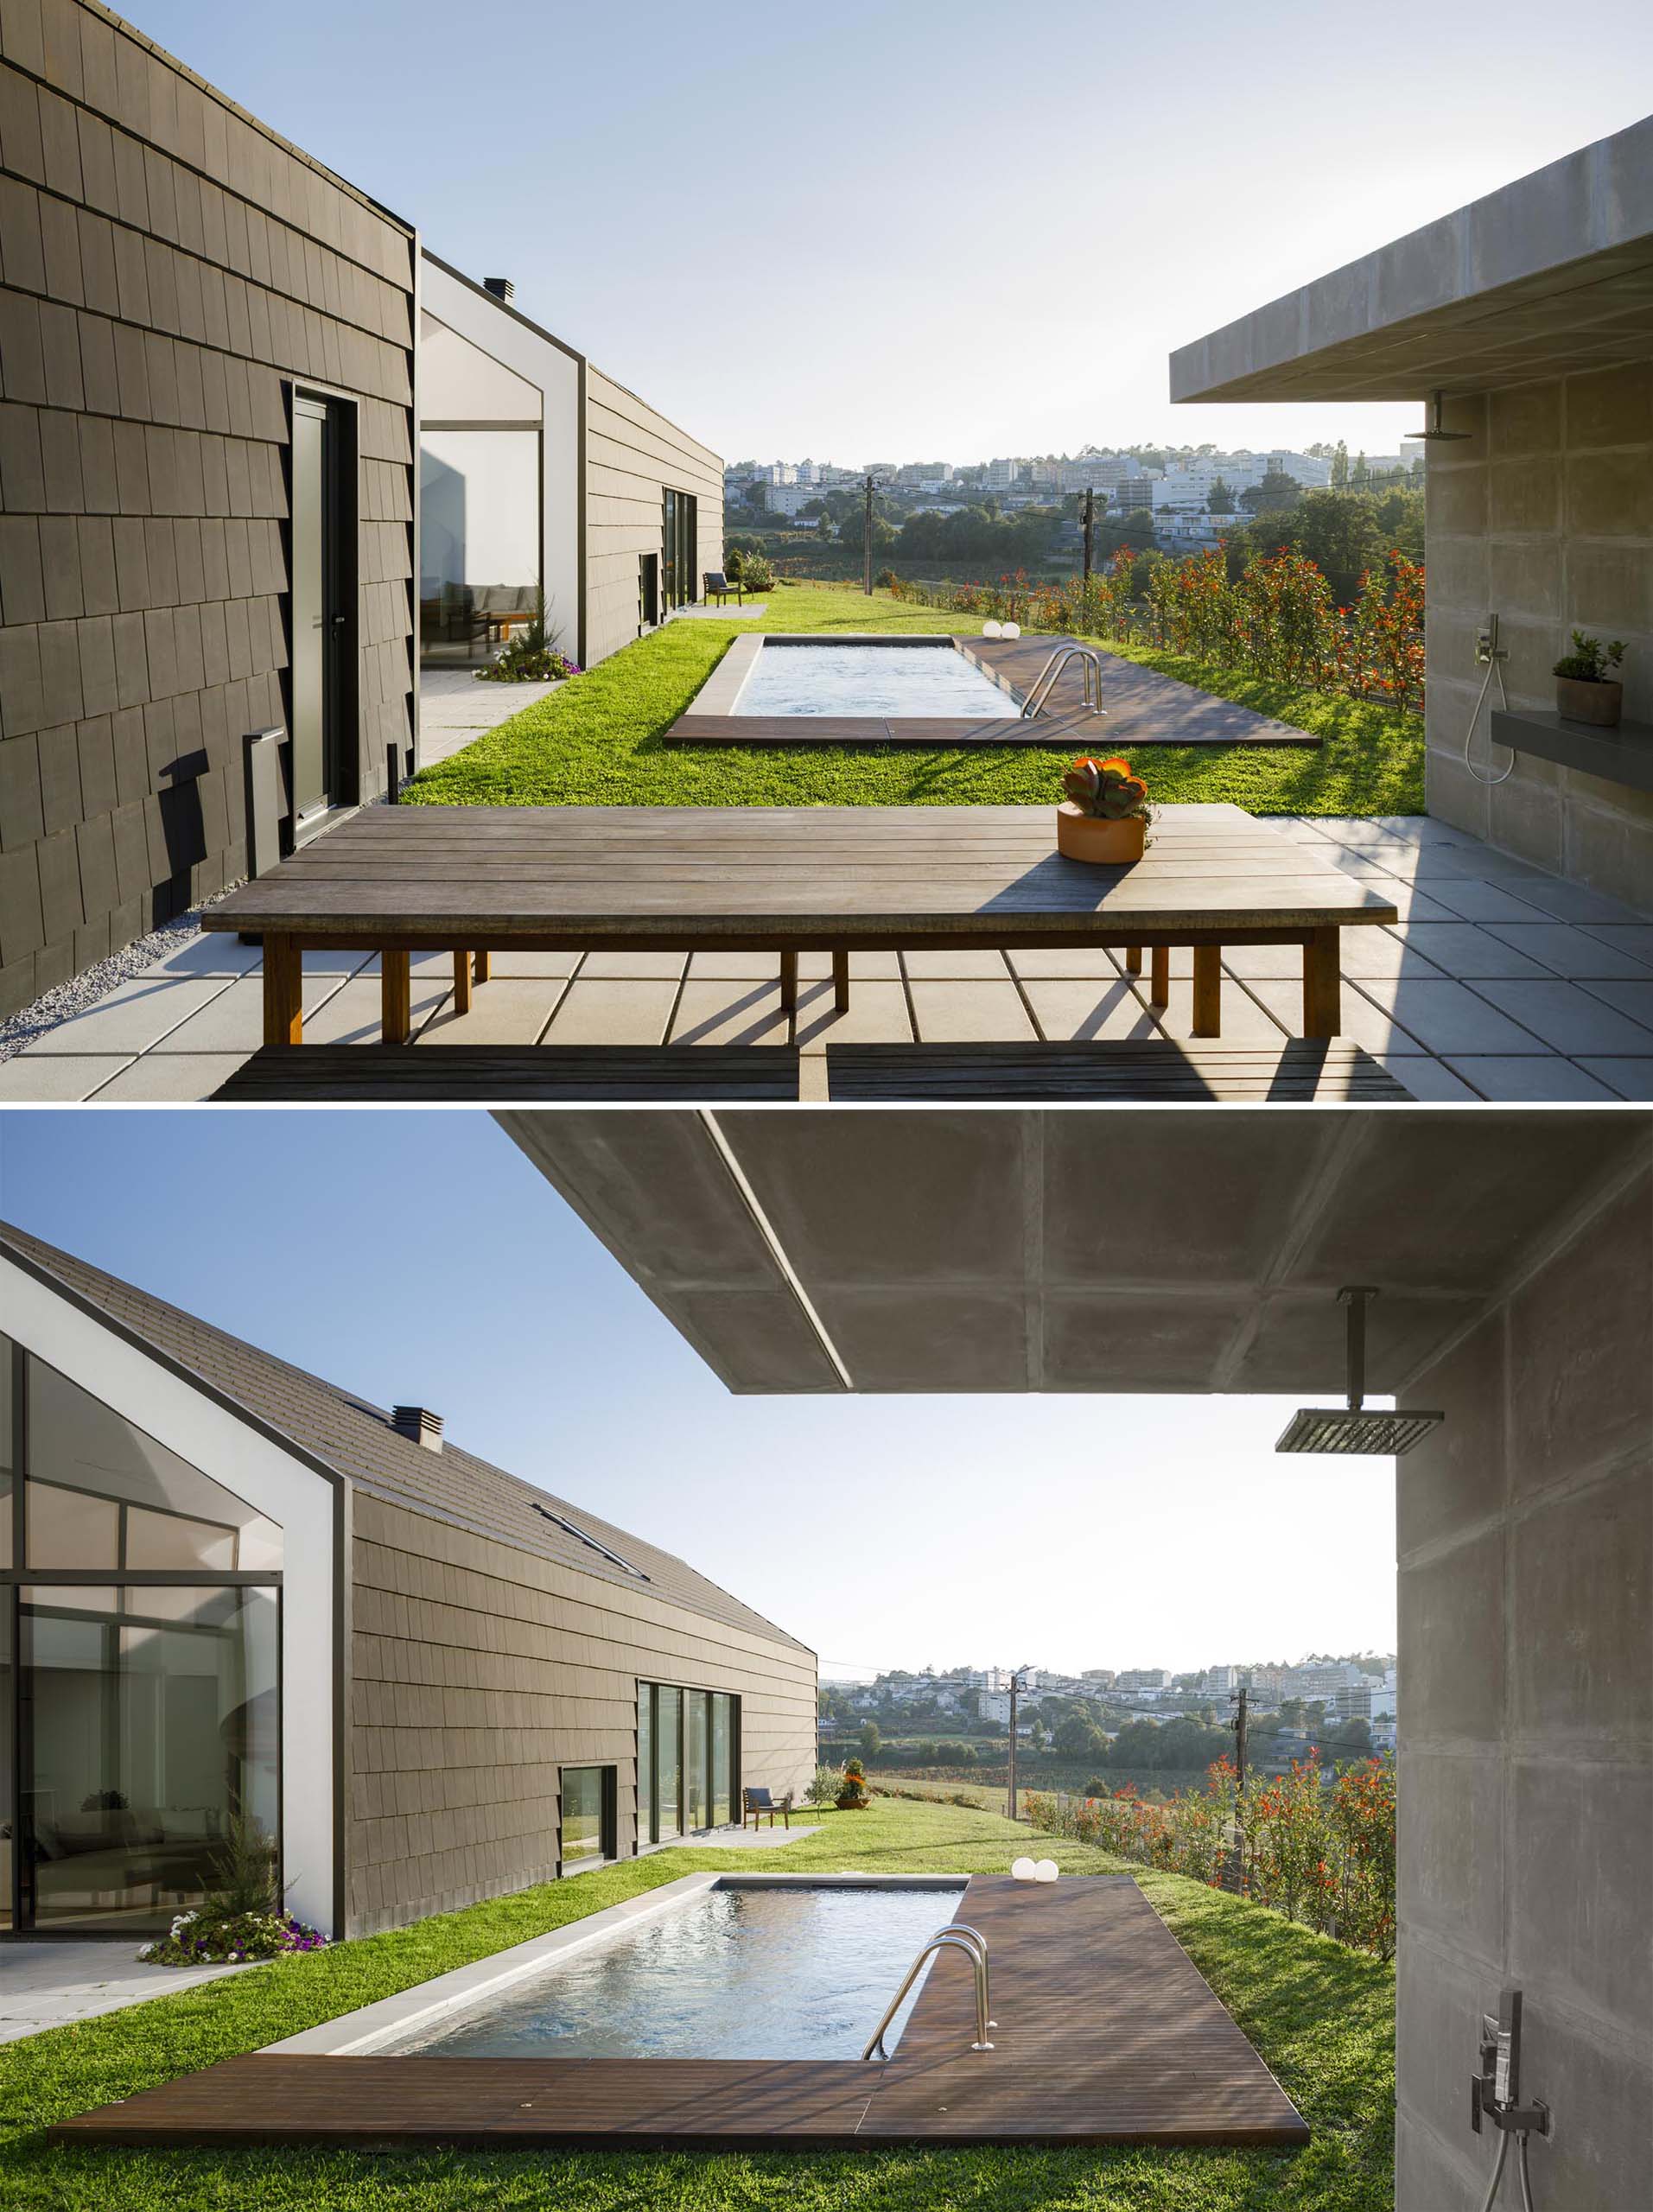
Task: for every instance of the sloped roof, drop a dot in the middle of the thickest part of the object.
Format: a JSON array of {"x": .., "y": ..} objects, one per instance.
[{"x": 351, "y": 1437}]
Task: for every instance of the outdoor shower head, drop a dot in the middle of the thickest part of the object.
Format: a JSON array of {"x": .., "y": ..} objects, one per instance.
[
  {"x": 1435, "y": 429},
  {"x": 1351, "y": 1429}
]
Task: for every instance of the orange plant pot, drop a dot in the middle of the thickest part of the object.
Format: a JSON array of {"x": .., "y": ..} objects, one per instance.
[{"x": 1081, "y": 837}]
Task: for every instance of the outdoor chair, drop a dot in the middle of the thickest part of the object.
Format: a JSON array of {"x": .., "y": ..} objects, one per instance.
[
  {"x": 756, "y": 1803},
  {"x": 718, "y": 586}
]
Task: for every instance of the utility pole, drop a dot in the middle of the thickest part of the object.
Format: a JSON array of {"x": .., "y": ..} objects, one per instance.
[
  {"x": 1015, "y": 1692},
  {"x": 869, "y": 488},
  {"x": 1089, "y": 530},
  {"x": 1241, "y": 1700}
]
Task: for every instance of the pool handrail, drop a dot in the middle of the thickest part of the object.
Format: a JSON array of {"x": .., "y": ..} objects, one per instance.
[
  {"x": 943, "y": 1939},
  {"x": 1091, "y": 679}
]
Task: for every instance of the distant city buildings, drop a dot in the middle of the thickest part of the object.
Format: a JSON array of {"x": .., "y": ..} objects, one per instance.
[{"x": 1343, "y": 1688}]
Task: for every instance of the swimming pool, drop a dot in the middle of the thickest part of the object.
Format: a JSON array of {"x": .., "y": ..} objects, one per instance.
[
  {"x": 737, "y": 1972},
  {"x": 923, "y": 677}
]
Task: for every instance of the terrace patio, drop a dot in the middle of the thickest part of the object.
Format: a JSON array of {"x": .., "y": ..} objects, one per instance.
[{"x": 1497, "y": 981}]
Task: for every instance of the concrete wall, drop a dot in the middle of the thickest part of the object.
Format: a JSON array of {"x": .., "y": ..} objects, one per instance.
[
  {"x": 1525, "y": 1537},
  {"x": 632, "y": 454},
  {"x": 476, "y": 1669},
  {"x": 168, "y": 266},
  {"x": 1544, "y": 516}
]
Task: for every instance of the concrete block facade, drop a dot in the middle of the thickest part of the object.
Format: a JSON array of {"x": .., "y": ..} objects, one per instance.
[
  {"x": 477, "y": 1670},
  {"x": 170, "y": 268},
  {"x": 632, "y": 452},
  {"x": 1525, "y": 1542},
  {"x": 1544, "y": 515}
]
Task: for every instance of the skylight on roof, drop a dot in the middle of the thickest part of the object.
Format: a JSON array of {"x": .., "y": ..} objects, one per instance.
[{"x": 585, "y": 1537}]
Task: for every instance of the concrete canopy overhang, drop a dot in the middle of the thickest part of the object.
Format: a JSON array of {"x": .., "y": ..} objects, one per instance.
[
  {"x": 996, "y": 1251},
  {"x": 1550, "y": 275}
]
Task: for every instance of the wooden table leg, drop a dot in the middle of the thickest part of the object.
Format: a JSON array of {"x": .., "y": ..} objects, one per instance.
[
  {"x": 284, "y": 992},
  {"x": 480, "y": 967},
  {"x": 1133, "y": 959},
  {"x": 789, "y": 983},
  {"x": 461, "y": 982},
  {"x": 396, "y": 997},
  {"x": 841, "y": 982},
  {"x": 1322, "y": 985},
  {"x": 1159, "y": 988},
  {"x": 1208, "y": 990}
]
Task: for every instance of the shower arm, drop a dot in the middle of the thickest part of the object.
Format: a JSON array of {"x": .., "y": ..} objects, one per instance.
[{"x": 1354, "y": 1299}]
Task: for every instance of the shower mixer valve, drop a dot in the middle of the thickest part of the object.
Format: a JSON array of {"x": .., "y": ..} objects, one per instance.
[{"x": 1495, "y": 2087}]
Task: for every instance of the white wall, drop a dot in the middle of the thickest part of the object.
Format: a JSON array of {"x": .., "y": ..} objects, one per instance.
[{"x": 278, "y": 1486}]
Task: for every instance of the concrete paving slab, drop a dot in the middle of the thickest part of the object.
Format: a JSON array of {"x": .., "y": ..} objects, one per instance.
[
  {"x": 234, "y": 1020},
  {"x": 612, "y": 1012},
  {"x": 1377, "y": 952},
  {"x": 615, "y": 967},
  {"x": 1572, "y": 902},
  {"x": 1245, "y": 1020},
  {"x": 1550, "y": 1078},
  {"x": 1625, "y": 1078},
  {"x": 1084, "y": 965},
  {"x": 508, "y": 1010},
  {"x": 885, "y": 967},
  {"x": 732, "y": 1013},
  {"x": 956, "y": 967},
  {"x": 53, "y": 1982},
  {"x": 877, "y": 1015},
  {"x": 1569, "y": 1017},
  {"x": 44, "y": 1079},
  {"x": 963, "y": 1013},
  {"x": 1633, "y": 999},
  {"x": 1429, "y": 1080},
  {"x": 1472, "y": 900},
  {"x": 350, "y": 1015},
  {"x": 1467, "y": 950},
  {"x": 1415, "y": 905},
  {"x": 134, "y": 1016},
  {"x": 215, "y": 953},
  {"x": 1449, "y": 1018},
  {"x": 1372, "y": 1027},
  {"x": 1075, "y": 1011},
  {"x": 172, "y": 1079},
  {"x": 1568, "y": 950},
  {"x": 533, "y": 964},
  {"x": 736, "y": 967},
  {"x": 1634, "y": 937}
]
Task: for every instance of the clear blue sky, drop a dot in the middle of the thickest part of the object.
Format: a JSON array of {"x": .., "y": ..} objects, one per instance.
[
  {"x": 419, "y": 1257},
  {"x": 941, "y": 230}
]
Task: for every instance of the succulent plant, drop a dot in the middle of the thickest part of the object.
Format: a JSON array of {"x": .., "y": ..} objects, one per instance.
[{"x": 1107, "y": 790}]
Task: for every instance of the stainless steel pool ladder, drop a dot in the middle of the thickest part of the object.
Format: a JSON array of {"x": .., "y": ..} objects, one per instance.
[
  {"x": 1090, "y": 673},
  {"x": 957, "y": 1936}
]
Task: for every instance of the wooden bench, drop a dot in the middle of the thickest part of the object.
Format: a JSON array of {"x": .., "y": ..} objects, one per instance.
[
  {"x": 466, "y": 881},
  {"x": 439, "y": 1074},
  {"x": 1297, "y": 1069}
]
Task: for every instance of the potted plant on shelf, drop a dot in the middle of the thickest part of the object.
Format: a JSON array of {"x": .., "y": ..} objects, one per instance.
[
  {"x": 1585, "y": 690},
  {"x": 1106, "y": 813}
]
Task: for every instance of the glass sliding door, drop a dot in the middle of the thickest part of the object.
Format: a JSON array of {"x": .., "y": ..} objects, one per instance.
[
  {"x": 151, "y": 1724},
  {"x": 588, "y": 1816},
  {"x": 679, "y": 533},
  {"x": 722, "y": 1761},
  {"x": 644, "y": 1763},
  {"x": 668, "y": 1764},
  {"x": 696, "y": 1756}
]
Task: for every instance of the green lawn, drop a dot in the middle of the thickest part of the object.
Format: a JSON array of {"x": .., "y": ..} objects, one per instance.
[
  {"x": 597, "y": 742},
  {"x": 1322, "y": 2016}
]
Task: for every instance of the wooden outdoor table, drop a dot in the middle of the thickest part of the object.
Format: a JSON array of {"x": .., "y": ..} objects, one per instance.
[{"x": 474, "y": 879}]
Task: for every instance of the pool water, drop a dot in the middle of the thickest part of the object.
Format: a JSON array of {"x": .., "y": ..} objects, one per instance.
[
  {"x": 869, "y": 680},
  {"x": 737, "y": 1973}
]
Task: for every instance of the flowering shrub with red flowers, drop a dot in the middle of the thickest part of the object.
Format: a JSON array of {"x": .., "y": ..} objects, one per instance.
[
  {"x": 1322, "y": 1852},
  {"x": 1277, "y": 618}
]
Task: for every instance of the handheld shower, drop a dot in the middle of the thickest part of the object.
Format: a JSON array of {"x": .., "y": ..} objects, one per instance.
[
  {"x": 1488, "y": 651},
  {"x": 1350, "y": 1428}
]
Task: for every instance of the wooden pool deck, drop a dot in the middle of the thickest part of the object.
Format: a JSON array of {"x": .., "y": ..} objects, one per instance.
[
  {"x": 1140, "y": 706},
  {"x": 1106, "y": 2033}
]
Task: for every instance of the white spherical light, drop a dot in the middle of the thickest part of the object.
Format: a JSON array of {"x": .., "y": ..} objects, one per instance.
[
  {"x": 1023, "y": 1870},
  {"x": 991, "y": 630},
  {"x": 1010, "y": 629},
  {"x": 1047, "y": 1870}
]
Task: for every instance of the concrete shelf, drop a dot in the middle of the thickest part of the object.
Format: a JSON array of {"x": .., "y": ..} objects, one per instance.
[{"x": 1624, "y": 755}]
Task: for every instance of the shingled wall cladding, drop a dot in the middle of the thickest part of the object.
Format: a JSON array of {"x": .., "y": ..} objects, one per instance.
[{"x": 167, "y": 268}]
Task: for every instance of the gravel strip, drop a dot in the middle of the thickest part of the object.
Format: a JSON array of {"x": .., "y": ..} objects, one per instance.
[{"x": 83, "y": 990}]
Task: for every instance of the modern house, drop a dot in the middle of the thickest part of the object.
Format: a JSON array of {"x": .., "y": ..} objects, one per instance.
[
  {"x": 820, "y": 1251},
  {"x": 539, "y": 473},
  {"x": 229, "y": 1589},
  {"x": 1530, "y": 313},
  {"x": 209, "y": 351}
]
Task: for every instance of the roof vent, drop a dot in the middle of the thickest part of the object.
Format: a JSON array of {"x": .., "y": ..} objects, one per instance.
[
  {"x": 419, "y": 1425},
  {"x": 501, "y": 287}
]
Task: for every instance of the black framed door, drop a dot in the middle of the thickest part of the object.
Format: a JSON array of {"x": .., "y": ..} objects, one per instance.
[
  {"x": 679, "y": 534},
  {"x": 321, "y": 594}
]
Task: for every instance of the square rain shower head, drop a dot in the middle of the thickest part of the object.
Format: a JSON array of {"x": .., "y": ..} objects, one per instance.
[{"x": 1355, "y": 1429}]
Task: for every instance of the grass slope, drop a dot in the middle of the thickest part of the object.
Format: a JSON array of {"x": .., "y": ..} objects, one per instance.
[
  {"x": 1322, "y": 2016},
  {"x": 598, "y": 741}
]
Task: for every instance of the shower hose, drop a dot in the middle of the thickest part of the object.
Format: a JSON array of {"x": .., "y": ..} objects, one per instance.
[
  {"x": 1497, "y": 2171},
  {"x": 1494, "y": 667}
]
